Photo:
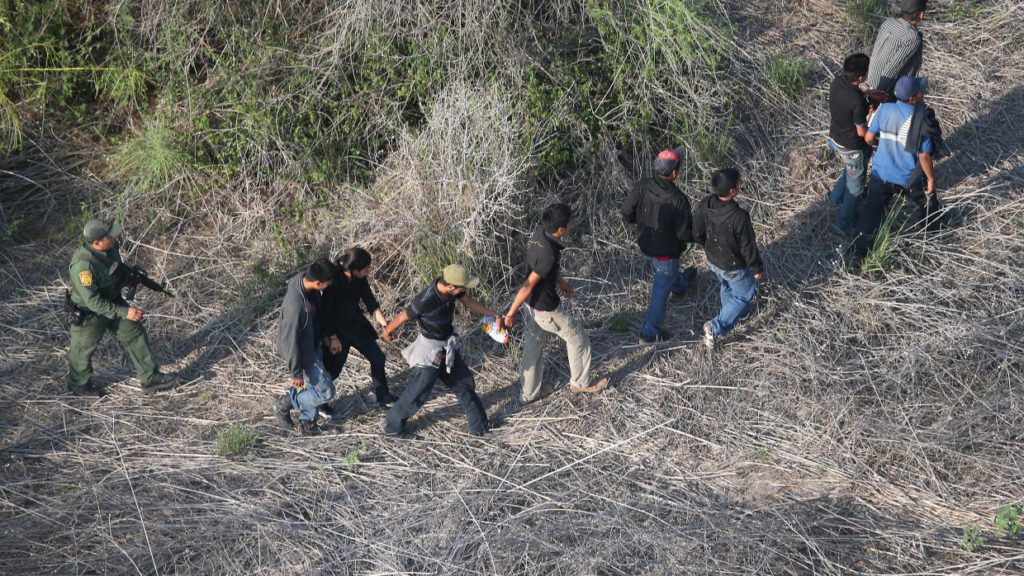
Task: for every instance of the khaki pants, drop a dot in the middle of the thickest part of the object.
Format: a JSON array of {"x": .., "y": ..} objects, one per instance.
[{"x": 577, "y": 345}]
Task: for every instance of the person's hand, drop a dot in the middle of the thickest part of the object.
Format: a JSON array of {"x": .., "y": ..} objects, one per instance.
[
  {"x": 760, "y": 276},
  {"x": 386, "y": 335},
  {"x": 501, "y": 323},
  {"x": 930, "y": 189},
  {"x": 134, "y": 314},
  {"x": 509, "y": 320},
  {"x": 334, "y": 345},
  {"x": 298, "y": 382},
  {"x": 566, "y": 289}
]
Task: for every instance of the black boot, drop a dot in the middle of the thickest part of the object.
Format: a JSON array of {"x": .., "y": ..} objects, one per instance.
[
  {"x": 87, "y": 391},
  {"x": 384, "y": 397},
  {"x": 282, "y": 411},
  {"x": 160, "y": 382},
  {"x": 309, "y": 427}
]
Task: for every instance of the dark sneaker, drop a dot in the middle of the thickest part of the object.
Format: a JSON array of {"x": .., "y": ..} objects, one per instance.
[
  {"x": 282, "y": 412},
  {"x": 309, "y": 428},
  {"x": 709, "y": 335},
  {"x": 87, "y": 391},
  {"x": 160, "y": 382},
  {"x": 385, "y": 398},
  {"x": 661, "y": 337}
]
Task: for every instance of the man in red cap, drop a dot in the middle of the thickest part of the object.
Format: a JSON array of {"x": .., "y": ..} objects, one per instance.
[{"x": 662, "y": 214}]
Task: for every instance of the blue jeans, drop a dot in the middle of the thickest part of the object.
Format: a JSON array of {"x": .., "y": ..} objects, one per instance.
[
  {"x": 738, "y": 287},
  {"x": 318, "y": 391},
  {"x": 849, "y": 189},
  {"x": 667, "y": 278}
]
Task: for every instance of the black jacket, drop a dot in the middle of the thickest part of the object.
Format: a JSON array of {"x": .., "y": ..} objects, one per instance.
[
  {"x": 727, "y": 235},
  {"x": 341, "y": 313},
  {"x": 662, "y": 214}
]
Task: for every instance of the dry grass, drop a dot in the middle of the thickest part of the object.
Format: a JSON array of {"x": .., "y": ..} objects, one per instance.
[{"x": 852, "y": 426}]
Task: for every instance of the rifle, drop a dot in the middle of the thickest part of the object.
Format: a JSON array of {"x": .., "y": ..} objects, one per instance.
[{"x": 132, "y": 275}]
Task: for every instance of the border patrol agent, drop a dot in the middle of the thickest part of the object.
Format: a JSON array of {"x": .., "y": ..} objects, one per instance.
[{"x": 100, "y": 307}]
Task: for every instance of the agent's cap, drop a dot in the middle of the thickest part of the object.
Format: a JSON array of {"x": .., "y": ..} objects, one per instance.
[
  {"x": 95, "y": 230},
  {"x": 457, "y": 275},
  {"x": 907, "y": 86}
]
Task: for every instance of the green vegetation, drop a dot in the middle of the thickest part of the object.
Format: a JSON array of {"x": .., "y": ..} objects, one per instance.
[
  {"x": 965, "y": 11},
  {"x": 58, "y": 58},
  {"x": 883, "y": 249},
  {"x": 1008, "y": 524},
  {"x": 788, "y": 75},
  {"x": 972, "y": 539},
  {"x": 1008, "y": 521},
  {"x": 152, "y": 161},
  {"x": 620, "y": 322},
  {"x": 236, "y": 442},
  {"x": 352, "y": 461}
]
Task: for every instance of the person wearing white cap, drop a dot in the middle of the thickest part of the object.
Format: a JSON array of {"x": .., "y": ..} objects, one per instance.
[
  {"x": 435, "y": 353},
  {"x": 99, "y": 306}
]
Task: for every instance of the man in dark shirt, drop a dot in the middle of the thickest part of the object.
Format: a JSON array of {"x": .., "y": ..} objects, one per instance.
[
  {"x": 725, "y": 231},
  {"x": 435, "y": 353},
  {"x": 540, "y": 293},
  {"x": 346, "y": 327},
  {"x": 849, "y": 111},
  {"x": 662, "y": 213}
]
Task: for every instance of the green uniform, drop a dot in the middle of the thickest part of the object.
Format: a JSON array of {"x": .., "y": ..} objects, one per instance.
[{"x": 94, "y": 289}]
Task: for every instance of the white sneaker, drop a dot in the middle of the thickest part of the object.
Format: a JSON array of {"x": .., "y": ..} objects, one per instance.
[{"x": 709, "y": 335}]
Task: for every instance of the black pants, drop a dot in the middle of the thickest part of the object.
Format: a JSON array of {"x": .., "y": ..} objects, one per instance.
[
  {"x": 369, "y": 348},
  {"x": 927, "y": 210},
  {"x": 459, "y": 380}
]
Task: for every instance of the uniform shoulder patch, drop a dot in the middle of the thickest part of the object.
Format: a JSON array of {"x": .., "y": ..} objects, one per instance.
[{"x": 85, "y": 277}]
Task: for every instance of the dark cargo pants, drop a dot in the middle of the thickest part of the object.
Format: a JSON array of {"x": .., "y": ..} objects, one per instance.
[{"x": 459, "y": 380}]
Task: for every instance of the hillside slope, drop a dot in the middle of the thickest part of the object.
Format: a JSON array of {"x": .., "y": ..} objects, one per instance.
[{"x": 856, "y": 424}]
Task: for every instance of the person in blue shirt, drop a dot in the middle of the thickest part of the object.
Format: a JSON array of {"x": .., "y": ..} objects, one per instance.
[{"x": 895, "y": 165}]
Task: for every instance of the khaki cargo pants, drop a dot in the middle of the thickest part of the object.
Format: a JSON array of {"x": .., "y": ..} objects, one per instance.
[{"x": 577, "y": 344}]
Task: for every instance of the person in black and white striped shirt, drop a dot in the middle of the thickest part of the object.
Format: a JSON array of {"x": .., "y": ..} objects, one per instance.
[{"x": 898, "y": 47}]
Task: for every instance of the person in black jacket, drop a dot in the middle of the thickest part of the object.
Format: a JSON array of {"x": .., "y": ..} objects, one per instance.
[
  {"x": 725, "y": 231},
  {"x": 662, "y": 214},
  {"x": 346, "y": 327}
]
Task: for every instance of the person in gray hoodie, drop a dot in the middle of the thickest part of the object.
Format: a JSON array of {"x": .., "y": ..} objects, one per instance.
[
  {"x": 725, "y": 231},
  {"x": 298, "y": 342}
]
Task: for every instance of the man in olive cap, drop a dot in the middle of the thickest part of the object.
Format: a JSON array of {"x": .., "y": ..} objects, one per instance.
[
  {"x": 435, "y": 353},
  {"x": 96, "y": 293}
]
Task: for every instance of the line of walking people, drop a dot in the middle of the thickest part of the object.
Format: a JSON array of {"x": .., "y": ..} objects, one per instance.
[{"x": 321, "y": 317}]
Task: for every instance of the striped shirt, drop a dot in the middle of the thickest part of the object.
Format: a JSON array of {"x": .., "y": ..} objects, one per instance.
[{"x": 897, "y": 52}]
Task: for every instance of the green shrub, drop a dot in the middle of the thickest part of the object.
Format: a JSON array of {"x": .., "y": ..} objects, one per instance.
[
  {"x": 788, "y": 75},
  {"x": 152, "y": 161},
  {"x": 237, "y": 441},
  {"x": 883, "y": 248}
]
